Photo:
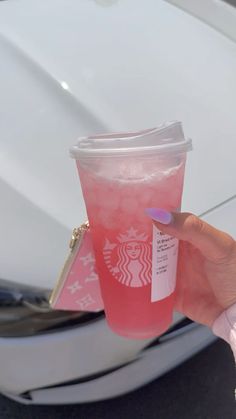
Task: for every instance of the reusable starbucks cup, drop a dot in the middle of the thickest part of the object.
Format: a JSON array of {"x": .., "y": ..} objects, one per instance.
[{"x": 122, "y": 175}]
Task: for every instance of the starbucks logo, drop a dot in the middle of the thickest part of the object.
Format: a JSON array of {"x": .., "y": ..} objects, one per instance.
[{"x": 129, "y": 258}]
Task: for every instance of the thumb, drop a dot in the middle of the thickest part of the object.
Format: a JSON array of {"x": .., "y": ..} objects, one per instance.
[{"x": 214, "y": 244}]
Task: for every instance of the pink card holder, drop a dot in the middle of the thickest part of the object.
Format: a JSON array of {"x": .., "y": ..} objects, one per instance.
[{"x": 78, "y": 288}]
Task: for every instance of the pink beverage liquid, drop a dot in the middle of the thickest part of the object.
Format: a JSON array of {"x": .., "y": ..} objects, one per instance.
[{"x": 116, "y": 193}]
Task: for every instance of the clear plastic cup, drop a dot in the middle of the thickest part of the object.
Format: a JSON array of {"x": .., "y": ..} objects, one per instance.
[{"x": 122, "y": 175}]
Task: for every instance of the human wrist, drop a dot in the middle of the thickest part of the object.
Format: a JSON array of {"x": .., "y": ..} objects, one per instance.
[{"x": 225, "y": 327}]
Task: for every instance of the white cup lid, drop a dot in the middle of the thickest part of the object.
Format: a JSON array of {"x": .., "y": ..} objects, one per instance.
[{"x": 166, "y": 138}]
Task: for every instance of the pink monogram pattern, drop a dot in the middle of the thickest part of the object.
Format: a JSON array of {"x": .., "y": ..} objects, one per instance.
[{"x": 80, "y": 289}]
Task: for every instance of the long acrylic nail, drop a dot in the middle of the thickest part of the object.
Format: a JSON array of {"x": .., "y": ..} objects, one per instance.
[{"x": 160, "y": 215}]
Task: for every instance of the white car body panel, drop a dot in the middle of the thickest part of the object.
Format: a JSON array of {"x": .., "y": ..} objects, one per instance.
[
  {"x": 63, "y": 354},
  {"x": 75, "y": 68},
  {"x": 216, "y": 13},
  {"x": 151, "y": 363},
  {"x": 193, "y": 83}
]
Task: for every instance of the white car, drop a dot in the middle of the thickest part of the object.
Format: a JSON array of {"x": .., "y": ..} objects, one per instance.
[{"x": 83, "y": 67}]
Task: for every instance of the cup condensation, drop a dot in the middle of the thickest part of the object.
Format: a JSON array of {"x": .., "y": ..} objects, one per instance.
[{"x": 122, "y": 175}]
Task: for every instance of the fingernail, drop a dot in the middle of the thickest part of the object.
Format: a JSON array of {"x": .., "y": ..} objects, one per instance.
[{"x": 160, "y": 215}]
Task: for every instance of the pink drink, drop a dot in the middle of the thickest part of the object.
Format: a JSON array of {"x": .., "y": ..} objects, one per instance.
[{"x": 117, "y": 189}]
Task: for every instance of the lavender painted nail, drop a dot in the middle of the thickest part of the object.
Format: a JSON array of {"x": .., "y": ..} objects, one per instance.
[{"x": 159, "y": 214}]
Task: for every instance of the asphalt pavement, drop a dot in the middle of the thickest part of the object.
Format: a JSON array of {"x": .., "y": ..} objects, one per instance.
[{"x": 201, "y": 388}]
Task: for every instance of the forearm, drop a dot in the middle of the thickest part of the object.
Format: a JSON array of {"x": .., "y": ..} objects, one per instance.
[{"x": 225, "y": 327}]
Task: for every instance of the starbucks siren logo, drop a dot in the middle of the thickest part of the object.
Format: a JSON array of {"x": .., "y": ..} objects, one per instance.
[{"x": 129, "y": 259}]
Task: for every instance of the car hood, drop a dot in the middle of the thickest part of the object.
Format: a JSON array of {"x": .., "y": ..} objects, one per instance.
[{"x": 76, "y": 68}]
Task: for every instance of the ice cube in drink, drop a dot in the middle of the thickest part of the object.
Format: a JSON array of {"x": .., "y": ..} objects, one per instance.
[{"x": 122, "y": 237}]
